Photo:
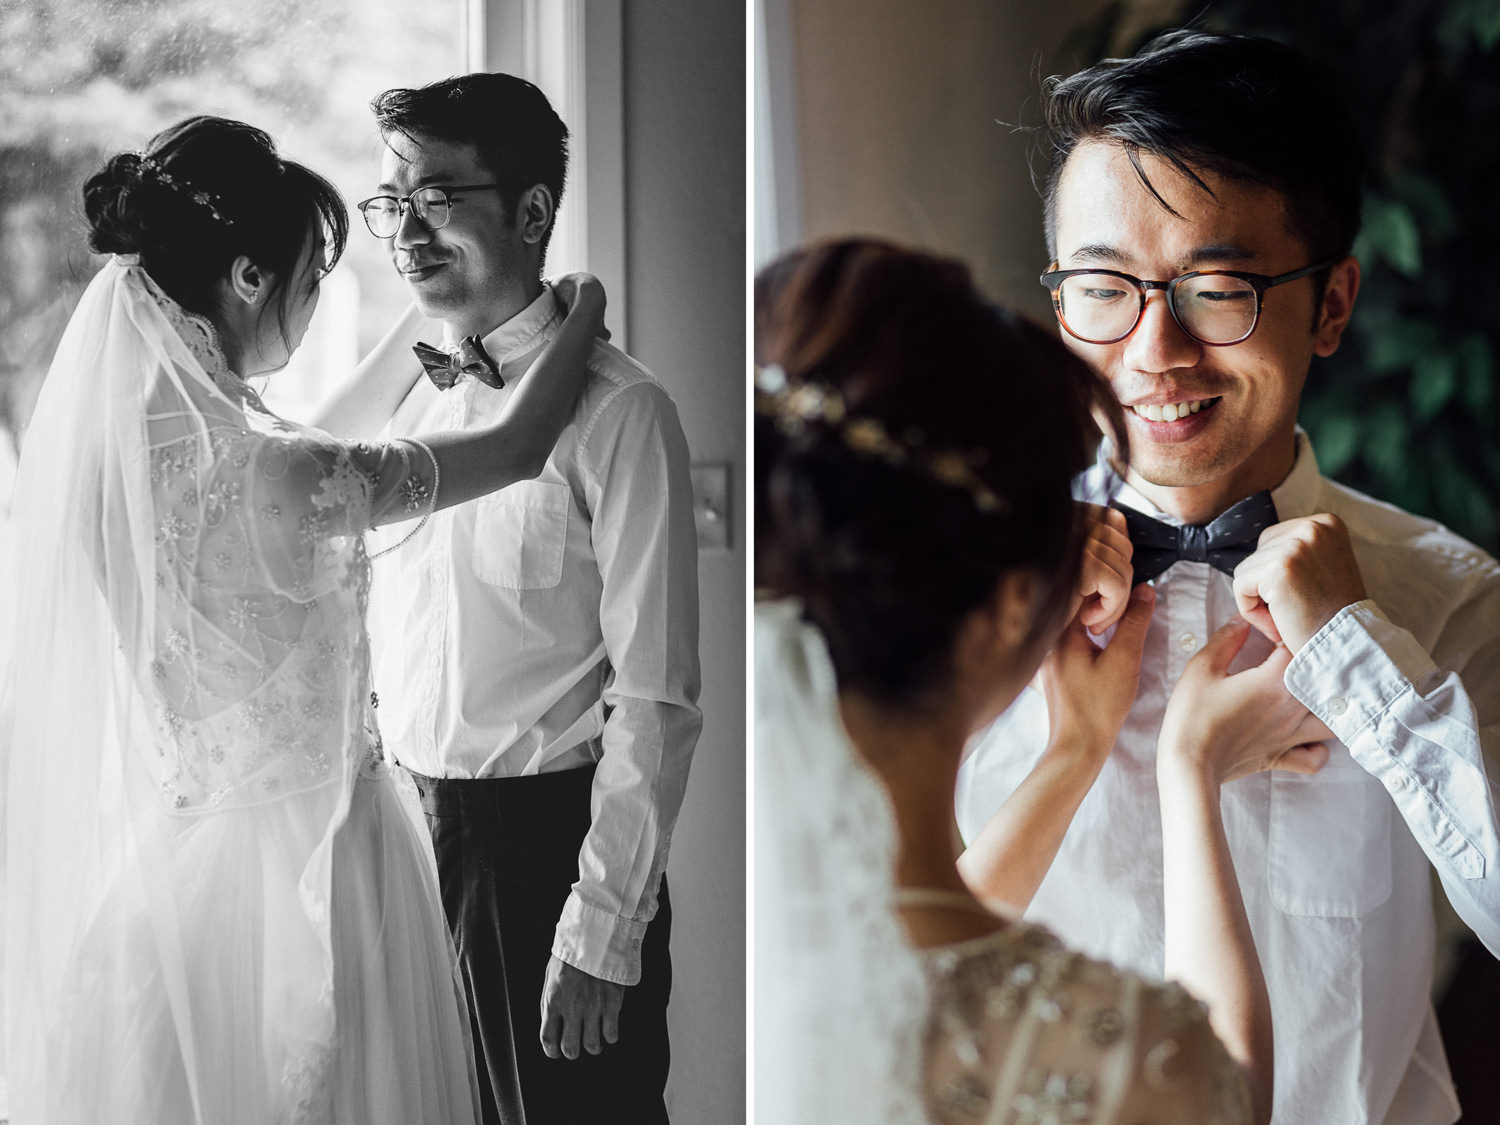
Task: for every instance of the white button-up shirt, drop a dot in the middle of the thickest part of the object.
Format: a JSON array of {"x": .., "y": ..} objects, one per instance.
[
  {"x": 1334, "y": 867},
  {"x": 555, "y": 623}
]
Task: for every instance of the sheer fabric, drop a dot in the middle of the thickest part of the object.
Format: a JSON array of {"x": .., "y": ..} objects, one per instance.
[
  {"x": 839, "y": 995},
  {"x": 217, "y": 910},
  {"x": 854, "y": 1026}
]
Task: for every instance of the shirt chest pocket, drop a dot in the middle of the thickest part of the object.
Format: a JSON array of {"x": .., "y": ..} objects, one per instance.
[
  {"x": 520, "y": 535},
  {"x": 1330, "y": 841}
]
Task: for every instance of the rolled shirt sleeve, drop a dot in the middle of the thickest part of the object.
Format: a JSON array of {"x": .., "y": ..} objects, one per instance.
[{"x": 1428, "y": 729}]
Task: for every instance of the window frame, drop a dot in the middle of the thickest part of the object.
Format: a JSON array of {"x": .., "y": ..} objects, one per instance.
[{"x": 574, "y": 51}]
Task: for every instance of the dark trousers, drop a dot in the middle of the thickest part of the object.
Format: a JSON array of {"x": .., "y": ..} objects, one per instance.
[{"x": 507, "y": 855}]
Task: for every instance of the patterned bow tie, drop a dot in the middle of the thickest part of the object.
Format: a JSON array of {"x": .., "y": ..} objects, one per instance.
[
  {"x": 1223, "y": 543},
  {"x": 469, "y": 358}
]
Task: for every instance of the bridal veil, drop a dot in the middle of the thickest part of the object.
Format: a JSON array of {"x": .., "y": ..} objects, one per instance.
[
  {"x": 188, "y": 719},
  {"x": 840, "y": 997}
]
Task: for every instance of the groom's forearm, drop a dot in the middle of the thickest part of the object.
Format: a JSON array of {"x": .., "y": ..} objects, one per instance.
[
  {"x": 638, "y": 789},
  {"x": 1427, "y": 726}
]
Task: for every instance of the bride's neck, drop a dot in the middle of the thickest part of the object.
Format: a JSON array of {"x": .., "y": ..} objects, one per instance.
[
  {"x": 916, "y": 756},
  {"x": 231, "y": 347}
]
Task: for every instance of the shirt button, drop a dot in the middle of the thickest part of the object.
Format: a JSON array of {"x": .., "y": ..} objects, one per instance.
[
  {"x": 1399, "y": 781},
  {"x": 1338, "y": 705},
  {"x": 1188, "y": 642}
]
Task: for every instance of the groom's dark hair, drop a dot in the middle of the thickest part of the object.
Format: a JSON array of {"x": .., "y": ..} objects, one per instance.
[
  {"x": 1246, "y": 108},
  {"x": 510, "y": 123}
]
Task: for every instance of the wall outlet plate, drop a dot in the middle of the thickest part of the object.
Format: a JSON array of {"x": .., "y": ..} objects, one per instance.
[{"x": 711, "y": 505}]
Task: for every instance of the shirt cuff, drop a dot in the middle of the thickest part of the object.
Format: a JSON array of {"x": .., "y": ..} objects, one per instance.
[
  {"x": 598, "y": 942},
  {"x": 1354, "y": 668},
  {"x": 1365, "y": 678}
]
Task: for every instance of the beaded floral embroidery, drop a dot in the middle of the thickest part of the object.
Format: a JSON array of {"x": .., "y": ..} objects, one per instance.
[
  {"x": 414, "y": 492},
  {"x": 1023, "y": 1032}
]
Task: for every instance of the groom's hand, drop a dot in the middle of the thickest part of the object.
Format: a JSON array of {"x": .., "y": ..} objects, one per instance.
[
  {"x": 1303, "y": 572},
  {"x": 578, "y": 1009}
]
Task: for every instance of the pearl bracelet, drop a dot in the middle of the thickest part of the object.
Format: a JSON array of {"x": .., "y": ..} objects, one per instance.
[{"x": 415, "y": 492}]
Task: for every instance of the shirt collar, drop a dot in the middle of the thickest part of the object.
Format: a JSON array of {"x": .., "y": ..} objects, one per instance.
[
  {"x": 1296, "y": 495},
  {"x": 525, "y": 331}
]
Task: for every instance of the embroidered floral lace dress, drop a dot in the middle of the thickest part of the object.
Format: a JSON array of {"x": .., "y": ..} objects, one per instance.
[
  {"x": 236, "y": 922},
  {"x": 1023, "y": 1031}
]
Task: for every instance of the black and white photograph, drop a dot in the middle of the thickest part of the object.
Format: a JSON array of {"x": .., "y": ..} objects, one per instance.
[{"x": 371, "y": 420}]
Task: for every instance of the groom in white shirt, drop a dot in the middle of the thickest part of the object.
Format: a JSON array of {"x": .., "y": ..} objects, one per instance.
[
  {"x": 1202, "y": 203},
  {"x": 541, "y": 679}
]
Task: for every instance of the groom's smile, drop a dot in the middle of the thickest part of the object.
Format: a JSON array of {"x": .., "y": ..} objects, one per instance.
[
  {"x": 416, "y": 272},
  {"x": 1211, "y": 423}
]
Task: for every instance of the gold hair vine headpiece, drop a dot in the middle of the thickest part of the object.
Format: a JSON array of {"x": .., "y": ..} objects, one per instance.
[
  {"x": 794, "y": 407},
  {"x": 151, "y": 166}
]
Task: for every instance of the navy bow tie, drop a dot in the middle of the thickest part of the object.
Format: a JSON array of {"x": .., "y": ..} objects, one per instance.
[
  {"x": 469, "y": 358},
  {"x": 1223, "y": 543}
]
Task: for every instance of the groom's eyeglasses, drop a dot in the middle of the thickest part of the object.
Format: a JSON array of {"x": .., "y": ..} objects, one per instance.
[
  {"x": 433, "y": 207},
  {"x": 1214, "y": 307}
]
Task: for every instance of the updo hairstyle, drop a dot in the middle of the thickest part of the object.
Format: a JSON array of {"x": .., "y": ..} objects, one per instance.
[
  {"x": 205, "y": 191},
  {"x": 886, "y": 560}
]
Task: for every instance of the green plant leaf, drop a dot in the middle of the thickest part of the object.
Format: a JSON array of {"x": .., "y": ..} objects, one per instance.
[
  {"x": 1385, "y": 443},
  {"x": 1391, "y": 233},
  {"x": 1336, "y": 438},
  {"x": 1477, "y": 360},
  {"x": 1403, "y": 344},
  {"x": 1430, "y": 206},
  {"x": 1434, "y": 381},
  {"x": 1479, "y": 18}
]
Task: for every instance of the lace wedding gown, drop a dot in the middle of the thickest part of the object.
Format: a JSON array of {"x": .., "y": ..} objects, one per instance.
[
  {"x": 218, "y": 912},
  {"x": 854, "y": 1026}
]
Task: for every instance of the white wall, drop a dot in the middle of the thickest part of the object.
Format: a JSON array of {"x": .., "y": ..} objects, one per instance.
[
  {"x": 899, "y": 124},
  {"x": 684, "y": 79}
]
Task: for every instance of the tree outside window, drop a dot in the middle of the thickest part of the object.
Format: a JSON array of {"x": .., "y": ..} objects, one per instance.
[{"x": 81, "y": 79}]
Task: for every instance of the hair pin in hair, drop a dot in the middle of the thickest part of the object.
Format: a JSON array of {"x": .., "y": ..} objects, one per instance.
[
  {"x": 149, "y": 165},
  {"x": 795, "y": 407}
]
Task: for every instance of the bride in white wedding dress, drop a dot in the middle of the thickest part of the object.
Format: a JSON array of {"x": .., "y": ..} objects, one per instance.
[
  {"x": 218, "y": 913},
  {"x": 919, "y": 553}
]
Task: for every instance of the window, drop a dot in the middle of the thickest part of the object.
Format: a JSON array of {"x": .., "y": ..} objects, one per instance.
[
  {"x": 578, "y": 63},
  {"x": 82, "y": 79}
]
